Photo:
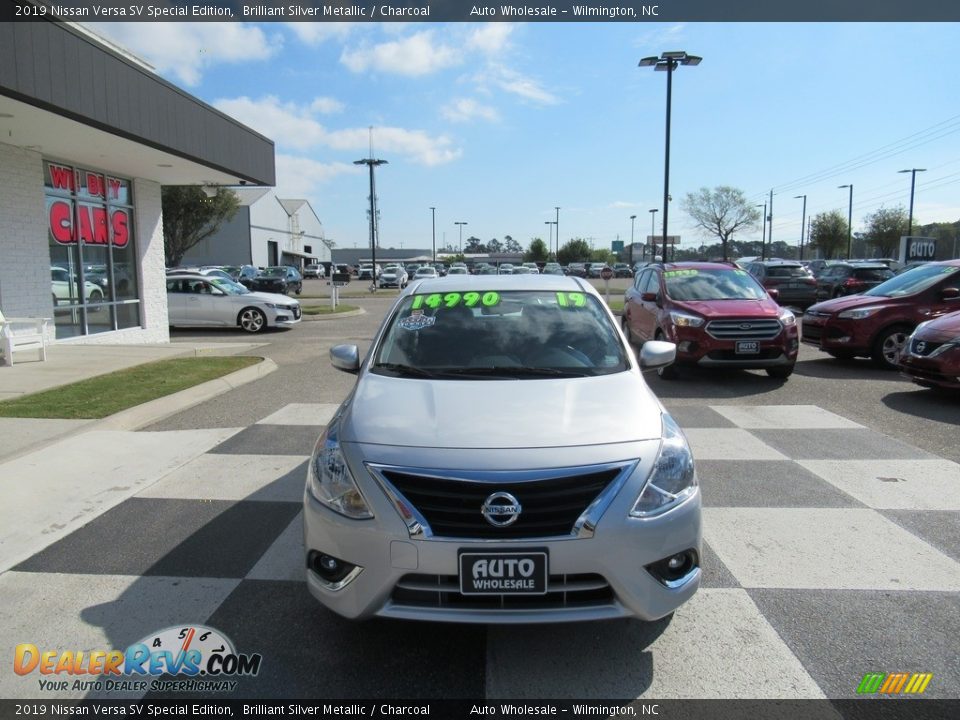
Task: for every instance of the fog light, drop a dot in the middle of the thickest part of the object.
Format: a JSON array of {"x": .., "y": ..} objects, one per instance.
[
  {"x": 684, "y": 346},
  {"x": 676, "y": 561},
  {"x": 844, "y": 339},
  {"x": 328, "y": 567},
  {"x": 675, "y": 570}
]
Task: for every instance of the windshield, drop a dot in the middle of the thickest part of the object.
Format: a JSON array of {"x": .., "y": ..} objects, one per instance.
[
  {"x": 712, "y": 284},
  {"x": 488, "y": 334},
  {"x": 275, "y": 272},
  {"x": 229, "y": 287},
  {"x": 912, "y": 281}
]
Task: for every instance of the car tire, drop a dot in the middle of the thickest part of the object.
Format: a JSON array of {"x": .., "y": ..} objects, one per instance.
[
  {"x": 887, "y": 346},
  {"x": 95, "y": 296},
  {"x": 252, "y": 320},
  {"x": 781, "y": 373},
  {"x": 299, "y": 289},
  {"x": 625, "y": 326}
]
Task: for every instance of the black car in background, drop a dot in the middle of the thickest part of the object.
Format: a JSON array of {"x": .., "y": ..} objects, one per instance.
[
  {"x": 794, "y": 283},
  {"x": 850, "y": 278},
  {"x": 278, "y": 279},
  {"x": 242, "y": 274}
]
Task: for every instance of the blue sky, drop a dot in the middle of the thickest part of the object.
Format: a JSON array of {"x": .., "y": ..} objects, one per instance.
[{"x": 496, "y": 124}]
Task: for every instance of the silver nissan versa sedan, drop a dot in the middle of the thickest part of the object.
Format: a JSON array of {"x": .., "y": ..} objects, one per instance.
[{"x": 522, "y": 471}]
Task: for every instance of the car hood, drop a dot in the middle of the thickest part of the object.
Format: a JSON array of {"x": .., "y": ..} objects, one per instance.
[
  {"x": 712, "y": 309},
  {"x": 501, "y": 414},
  {"x": 847, "y": 302},
  {"x": 271, "y": 297},
  {"x": 945, "y": 327}
]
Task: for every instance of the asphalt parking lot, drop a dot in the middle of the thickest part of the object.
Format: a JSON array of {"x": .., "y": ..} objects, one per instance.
[{"x": 832, "y": 529}]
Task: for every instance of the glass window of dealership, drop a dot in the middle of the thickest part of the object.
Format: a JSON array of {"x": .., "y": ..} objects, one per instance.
[{"x": 93, "y": 260}]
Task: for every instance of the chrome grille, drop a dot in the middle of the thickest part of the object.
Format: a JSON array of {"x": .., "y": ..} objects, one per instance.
[
  {"x": 562, "y": 502},
  {"x": 922, "y": 348},
  {"x": 743, "y": 329},
  {"x": 443, "y": 591}
]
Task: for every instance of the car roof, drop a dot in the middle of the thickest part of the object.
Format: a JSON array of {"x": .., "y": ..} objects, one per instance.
[
  {"x": 776, "y": 261},
  {"x": 502, "y": 282},
  {"x": 695, "y": 265}
]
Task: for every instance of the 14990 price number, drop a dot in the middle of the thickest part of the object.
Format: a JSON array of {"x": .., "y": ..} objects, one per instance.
[{"x": 470, "y": 299}]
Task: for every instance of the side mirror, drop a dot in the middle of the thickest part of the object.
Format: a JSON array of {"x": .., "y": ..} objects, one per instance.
[
  {"x": 774, "y": 293},
  {"x": 656, "y": 354},
  {"x": 950, "y": 293},
  {"x": 648, "y": 297},
  {"x": 216, "y": 291},
  {"x": 345, "y": 357}
]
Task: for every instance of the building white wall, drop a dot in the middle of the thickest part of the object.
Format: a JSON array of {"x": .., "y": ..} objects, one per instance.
[
  {"x": 25, "y": 254},
  {"x": 269, "y": 221},
  {"x": 24, "y": 257}
]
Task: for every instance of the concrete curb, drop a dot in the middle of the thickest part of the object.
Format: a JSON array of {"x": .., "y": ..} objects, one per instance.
[
  {"x": 335, "y": 316},
  {"x": 156, "y": 410}
]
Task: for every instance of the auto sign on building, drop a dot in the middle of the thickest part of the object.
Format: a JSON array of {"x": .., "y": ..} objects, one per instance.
[{"x": 917, "y": 249}]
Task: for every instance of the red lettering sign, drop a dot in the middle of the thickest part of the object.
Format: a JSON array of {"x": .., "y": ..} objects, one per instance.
[
  {"x": 61, "y": 177},
  {"x": 61, "y": 222},
  {"x": 121, "y": 234},
  {"x": 115, "y": 186},
  {"x": 95, "y": 185}
]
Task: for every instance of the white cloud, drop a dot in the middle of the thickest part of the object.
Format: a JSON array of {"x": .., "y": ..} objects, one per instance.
[
  {"x": 315, "y": 33},
  {"x": 186, "y": 49},
  {"x": 657, "y": 40},
  {"x": 620, "y": 204},
  {"x": 326, "y": 105},
  {"x": 466, "y": 109},
  {"x": 301, "y": 177},
  {"x": 294, "y": 126},
  {"x": 416, "y": 55},
  {"x": 490, "y": 38},
  {"x": 513, "y": 82}
]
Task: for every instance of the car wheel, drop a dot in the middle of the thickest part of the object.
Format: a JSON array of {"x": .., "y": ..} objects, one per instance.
[
  {"x": 626, "y": 330},
  {"x": 299, "y": 289},
  {"x": 887, "y": 347},
  {"x": 781, "y": 373},
  {"x": 252, "y": 320},
  {"x": 667, "y": 372},
  {"x": 95, "y": 296}
]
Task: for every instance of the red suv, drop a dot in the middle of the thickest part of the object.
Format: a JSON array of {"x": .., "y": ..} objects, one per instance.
[
  {"x": 876, "y": 324},
  {"x": 931, "y": 357},
  {"x": 718, "y": 315}
]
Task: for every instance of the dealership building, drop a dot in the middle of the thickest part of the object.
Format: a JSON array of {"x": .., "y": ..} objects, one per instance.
[{"x": 88, "y": 135}]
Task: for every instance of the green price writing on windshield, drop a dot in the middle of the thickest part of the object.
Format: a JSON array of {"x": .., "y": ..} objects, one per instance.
[
  {"x": 571, "y": 299},
  {"x": 680, "y": 273},
  {"x": 470, "y": 299}
]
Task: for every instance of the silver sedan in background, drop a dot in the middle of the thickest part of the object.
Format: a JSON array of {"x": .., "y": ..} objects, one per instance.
[
  {"x": 531, "y": 477},
  {"x": 206, "y": 301}
]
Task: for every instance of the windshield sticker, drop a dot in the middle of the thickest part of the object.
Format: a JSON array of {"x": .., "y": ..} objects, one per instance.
[
  {"x": 470, "y": 299},
  {"x": 680, "y": 273},
  {"x": 417, "y": 321},
  {"x": 571, "y": 299}
]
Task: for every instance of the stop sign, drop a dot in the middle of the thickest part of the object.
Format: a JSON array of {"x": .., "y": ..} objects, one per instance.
[{"x": 606, "y": 273}]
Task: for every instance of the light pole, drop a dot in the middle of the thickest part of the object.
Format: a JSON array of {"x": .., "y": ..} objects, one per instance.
[
  {"x": 668, "y": 62},
  {"x": 461, "y": 224},
  {"x": 803, "y": 221},
  {"x": 653, "y": 235},
  {"x": 849, "y": 219},
  {"x": 913, "y": 180},
  {"x": 433, "y": 223},
  {"x": 557, "y": 223},
  {"x": 372, "y": 162},
  {"x": 763, "y": 234},
  {"x": 632, "y": 219},
  {"x": 549, "y": 224}
]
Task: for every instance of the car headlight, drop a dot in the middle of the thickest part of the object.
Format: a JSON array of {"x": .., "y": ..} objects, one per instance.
[
  {"x": 949, "y": 345},
  {"x": 330, "y": 481},
  {"x": 272, "y": 306},
  {"x": 787, "y": 318},
  {"x": 859, "y": 313},
  {"x": 683, "y": 320},
  {"x": 673, "y": 479}
]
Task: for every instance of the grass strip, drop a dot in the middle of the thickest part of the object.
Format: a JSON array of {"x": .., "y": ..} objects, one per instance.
[{"x": 105, "y": 395}]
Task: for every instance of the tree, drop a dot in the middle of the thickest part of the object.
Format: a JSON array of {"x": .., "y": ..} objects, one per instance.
[
  {"x": 190, "y": 217},
  {"x": 510, "y": 245},
  {"x": 494, "y": 246},
  {"x": 720, "y": 212},
  {"x": 575, "y": 250},
  {"x": 828, "y": 233},
  {"x": 885, "y": 228},
  {"x": 538, "y": 251},
  {"x": 474, "y": 246}
]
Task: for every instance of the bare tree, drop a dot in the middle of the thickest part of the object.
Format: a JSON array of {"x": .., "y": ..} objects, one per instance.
[{"x": 720, "y": 212}]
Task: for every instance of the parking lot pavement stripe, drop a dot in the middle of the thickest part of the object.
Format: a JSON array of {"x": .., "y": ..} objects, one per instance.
[
  {"x": 51, "y": 492},
  {"x": 716, "y": 646},
  {"x": 783, "y": 417},
  {"x": 698, "y": 416},
  {"x": 69, "y": 612},
  {"x": 235, "y": 477},
  {"x": 272, "y": 440},
  {"x": 894, "y": 484},
  {"x": 729, "y": 444},
  {"x": 301, "y": 414},
  {"x": 284, "y": 560},
  {"x": 860, "y": 631},
  {"x": 177, "y": 538},
  {"x": 715, "y": 573},
  {"x": 839, "y": 444},
  {"x": 766, "y": 483},
  {"x": 825, "y": 548},
  {"x": 939, "y": 528},
  {"x": 309, "y": 652}
]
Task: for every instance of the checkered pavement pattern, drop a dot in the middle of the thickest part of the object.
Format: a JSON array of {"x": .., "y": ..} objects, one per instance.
[{"x": 830, "y": 551}]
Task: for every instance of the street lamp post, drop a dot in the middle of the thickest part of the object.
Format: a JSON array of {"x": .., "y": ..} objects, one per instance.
[
  {"x": 549, "y": 224},
  {"x": 557, "y": 223},
  {"x": 461, "y": 224},
  {"x": 763, "y": 234},
  {"x": 913, "y": 180},
  {"x": 653, "y": 235},
  {"x": 849, "y": 219},
  {"x": 372, "y": 162},
  {"x": 433, "y": 224},
  {"x": 668, "y": 62},
  {"x": 632, "y": 219},
  {"x": 803, "y": 221}
]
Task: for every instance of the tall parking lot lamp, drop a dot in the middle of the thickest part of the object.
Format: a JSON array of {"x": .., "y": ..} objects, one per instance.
[
  {"x": 913, "y": 180},
  {"x": 372, "y": 163},
  {"x": 549, "y": 224},
  {"x": 433, "y": 224},
  {"x": 653, "y": 235},
  {"x": 461, "y": 224},
  {"x": 632, "y": 218},
  {"x": 668, "y": 62},
  {"x": 849, "y": 219},
  {"x": 803, "y": 221},
  {"x": 763, "y": 233}
]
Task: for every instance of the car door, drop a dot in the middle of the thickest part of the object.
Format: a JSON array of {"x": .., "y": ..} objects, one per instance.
[
  {"x": 197, "y": 306},
  {"x": 631, "y": 302},
  {"x": 176, "y": 302},
  {"x": 223, "y": 309},
  {"x": 943, "y": 297}
]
